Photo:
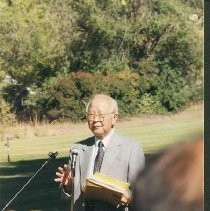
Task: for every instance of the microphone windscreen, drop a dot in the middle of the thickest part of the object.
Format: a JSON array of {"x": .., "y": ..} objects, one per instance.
[{"x": 74, "y": 151}]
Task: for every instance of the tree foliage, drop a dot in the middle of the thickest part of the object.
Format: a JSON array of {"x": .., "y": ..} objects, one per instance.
[
  {"x": 150, "y": 46},
  {"x": 34, "y": 37}
]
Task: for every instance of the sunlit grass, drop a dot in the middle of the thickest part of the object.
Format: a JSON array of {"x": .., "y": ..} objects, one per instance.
[{"x": 152, "y": 132}]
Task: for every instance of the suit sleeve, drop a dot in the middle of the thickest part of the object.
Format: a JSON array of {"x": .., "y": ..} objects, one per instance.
[{"x": 136, "y": 162}]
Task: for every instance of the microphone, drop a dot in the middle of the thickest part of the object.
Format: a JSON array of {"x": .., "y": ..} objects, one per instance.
[
  {"x": 53, "y": 155},
  {"x": 74, "y": 153}
]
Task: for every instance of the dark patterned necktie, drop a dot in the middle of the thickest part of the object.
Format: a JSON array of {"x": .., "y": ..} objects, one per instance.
[{"x": 99, "y": 157}]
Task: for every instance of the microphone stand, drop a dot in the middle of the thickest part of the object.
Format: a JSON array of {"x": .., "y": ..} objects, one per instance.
[
  {"x": 72, "y": 189},
  {"x": 52, "y": 155},
  {"x": 73, "y": 165}
]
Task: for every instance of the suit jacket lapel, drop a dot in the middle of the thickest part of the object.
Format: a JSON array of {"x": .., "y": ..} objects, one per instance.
[
  {"x": 85, "y": 160},
  {"x": 111, "y": 153}
]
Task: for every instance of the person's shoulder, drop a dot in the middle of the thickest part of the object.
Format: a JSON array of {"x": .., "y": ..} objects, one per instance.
[
  {"x": 86, "y": 142},
  {"x": 126, "y": 140}
]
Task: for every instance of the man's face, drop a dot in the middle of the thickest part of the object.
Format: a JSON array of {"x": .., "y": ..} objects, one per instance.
[{"x": 100, "y": 119}]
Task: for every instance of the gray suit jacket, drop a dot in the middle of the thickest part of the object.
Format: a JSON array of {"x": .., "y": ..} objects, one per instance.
[{"x": 123, "y": 159}]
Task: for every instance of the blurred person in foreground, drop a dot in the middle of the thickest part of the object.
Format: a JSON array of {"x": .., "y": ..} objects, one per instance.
[
  {"x": 173, "y": 181},
  {"x": 122, "y": 158}
]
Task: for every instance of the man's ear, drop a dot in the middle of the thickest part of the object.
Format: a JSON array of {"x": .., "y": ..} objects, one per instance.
[
  {"x": 114, "y": 119},
  {"x": 116, "y": 116}
]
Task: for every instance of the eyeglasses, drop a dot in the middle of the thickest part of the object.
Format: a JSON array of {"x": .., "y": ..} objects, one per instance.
[{"x": 101, "y": 117}]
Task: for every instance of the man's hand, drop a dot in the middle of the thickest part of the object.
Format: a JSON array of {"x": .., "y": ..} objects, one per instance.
[
  {"x": 124, "y": 200},
  {"x": 64, "y": 176}
]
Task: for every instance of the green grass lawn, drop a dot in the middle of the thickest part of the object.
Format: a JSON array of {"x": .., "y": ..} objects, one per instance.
[{"x": 27, "y": 155}]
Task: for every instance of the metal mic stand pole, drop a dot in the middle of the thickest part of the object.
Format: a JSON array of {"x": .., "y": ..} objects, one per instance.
[
  {"x": 72, "y": 187},
  {"x": 74, "y": 154},
  {"x": 52, "y": 155}
]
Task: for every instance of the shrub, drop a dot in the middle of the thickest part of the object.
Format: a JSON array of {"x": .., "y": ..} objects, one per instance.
[
  {"x": 150, "y": 104},
  {"x": 65, "y": 97},
  {"x": 6, "y": 116}
]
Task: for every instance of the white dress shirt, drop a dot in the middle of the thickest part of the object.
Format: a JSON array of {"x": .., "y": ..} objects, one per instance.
[{"x": 105, "y": 141}]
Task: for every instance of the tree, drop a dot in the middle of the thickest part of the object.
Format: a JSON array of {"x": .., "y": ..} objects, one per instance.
[
  {"x": 33, "y": 38},
  {"x": 42, "y": 41}
]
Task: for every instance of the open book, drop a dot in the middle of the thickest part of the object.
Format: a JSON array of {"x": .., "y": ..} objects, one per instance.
[{"x": 104, "y": 188}]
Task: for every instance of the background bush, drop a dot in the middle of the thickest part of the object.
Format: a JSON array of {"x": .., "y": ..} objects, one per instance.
[{"x": 7, "y": 117}]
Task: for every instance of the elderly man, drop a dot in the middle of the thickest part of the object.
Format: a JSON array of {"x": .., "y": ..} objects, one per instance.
[{"x": 105, "y": 152}]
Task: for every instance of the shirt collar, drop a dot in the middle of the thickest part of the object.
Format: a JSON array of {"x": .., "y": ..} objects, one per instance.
[{"x": 106, "y": 139}]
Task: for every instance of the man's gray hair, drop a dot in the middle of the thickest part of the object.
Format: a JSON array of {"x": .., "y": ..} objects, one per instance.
[{"x": 114, "y": 106}]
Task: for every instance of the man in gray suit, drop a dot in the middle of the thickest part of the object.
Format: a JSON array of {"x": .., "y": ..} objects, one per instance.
[{"x": 106, "y": 152}]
